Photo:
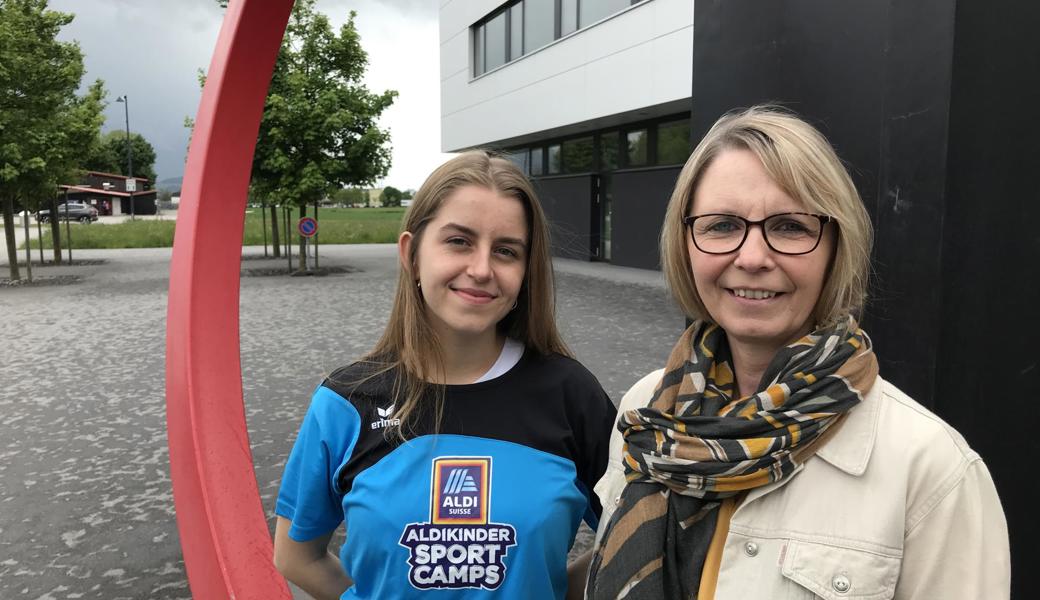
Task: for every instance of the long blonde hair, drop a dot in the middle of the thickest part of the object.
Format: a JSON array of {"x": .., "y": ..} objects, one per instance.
[
  {"x": 803, "y": 163},
  {"x": 409, "y": 347}
]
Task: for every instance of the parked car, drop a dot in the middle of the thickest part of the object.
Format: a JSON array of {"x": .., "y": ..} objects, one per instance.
[{"x": 78, "y": 211}]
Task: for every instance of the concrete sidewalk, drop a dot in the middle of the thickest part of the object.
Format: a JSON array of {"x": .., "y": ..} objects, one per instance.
[{"x": 87, "y": 501}]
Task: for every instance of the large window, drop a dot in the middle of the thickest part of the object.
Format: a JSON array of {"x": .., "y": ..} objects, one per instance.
[
  {"x": 608, "y": 151},
  {"x": 578, "y": 155},
  {"x": 656, "y": 143},
  {"x": 553, "y": 160},
  {"x": 637, "y": 143},
  {"x": 539, "y": 23},
  {"x": 673, "y": 142},
  {"x": 523, "y": 26},
  {"x": 594, "y": 10},
  {"x": 536, "y": 161},
  {"x": 495, "y": 38}
]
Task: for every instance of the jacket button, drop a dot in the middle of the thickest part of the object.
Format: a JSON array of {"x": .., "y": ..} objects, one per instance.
[
  {"x": 841, "y": 584},
  {"x": 751, "y": 549}
]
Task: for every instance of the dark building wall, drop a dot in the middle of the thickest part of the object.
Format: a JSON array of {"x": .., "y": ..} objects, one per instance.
[
  {"x": 640, "y": 199},
  {"x": 988, "y": 357},
  {"x": 568, "y": 202},
  {"x": 932, "y": 105},
  {"x": 875, "y": 78}
]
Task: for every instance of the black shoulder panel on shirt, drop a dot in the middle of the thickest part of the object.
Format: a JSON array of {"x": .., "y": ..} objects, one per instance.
[{"x": 544, "y": 402}]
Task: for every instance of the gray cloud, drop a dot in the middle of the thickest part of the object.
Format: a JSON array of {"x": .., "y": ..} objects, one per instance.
[{"x": 151, "y": 50}]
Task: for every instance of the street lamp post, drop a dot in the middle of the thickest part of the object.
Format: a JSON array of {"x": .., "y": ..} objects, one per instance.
[{"x": 131, "y": 184}]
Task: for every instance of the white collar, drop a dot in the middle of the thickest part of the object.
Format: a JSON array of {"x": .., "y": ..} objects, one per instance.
[{"x": 512, "y": 350}]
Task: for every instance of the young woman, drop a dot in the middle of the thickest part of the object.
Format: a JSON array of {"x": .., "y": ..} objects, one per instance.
[
  {"x": 461, "y": 452},
  {"x": 768, "y": 459}
]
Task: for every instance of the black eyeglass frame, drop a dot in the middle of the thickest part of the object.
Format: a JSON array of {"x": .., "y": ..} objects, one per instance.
[{"x": 688, "y": 222}]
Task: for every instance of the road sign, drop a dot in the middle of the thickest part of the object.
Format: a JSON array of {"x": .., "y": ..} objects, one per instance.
[{"x": 307, "y": 227}]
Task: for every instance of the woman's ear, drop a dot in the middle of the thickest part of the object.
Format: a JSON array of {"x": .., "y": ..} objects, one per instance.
[{"x": 404, "y": 253}]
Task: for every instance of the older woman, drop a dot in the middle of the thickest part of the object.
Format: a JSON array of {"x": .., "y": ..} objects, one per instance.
[{"x": 768, "y": 459}]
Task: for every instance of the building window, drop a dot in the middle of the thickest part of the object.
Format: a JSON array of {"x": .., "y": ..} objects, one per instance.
[
  {"x": 519, "y": 158},
  {"x": 523, "y": 26},
  {"x": 553, "y": 166},
  {"x": 636, "y": 150},
  {"x": 478, "y": 50},
  {"x": 495, "y": 42},
  {"x": 539, "y": 23},
  {"x": 578, "y": 156},
  {"x": 608, "y": 151},
  {"x": 568, "y": 17},
  {"x": 595, "y": 10},
  {"x": 673, "y": 142},
  {"x": 516, "y": 31},
  {"x": 536, "y": 161}
]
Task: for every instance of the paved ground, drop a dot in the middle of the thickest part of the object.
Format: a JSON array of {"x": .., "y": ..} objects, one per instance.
[{"x": 86, "y": 509}]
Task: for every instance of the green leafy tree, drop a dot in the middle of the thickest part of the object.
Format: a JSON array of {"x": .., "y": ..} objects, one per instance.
[
  {"x": 80, "y": 121},
  {"x": 350, "y": 196},
  {"x": 41, "y": 118},
  {"x": 109, "y": 155},
  {"x": 319, "y": 130},
  {"x": 391, "y": 196}
]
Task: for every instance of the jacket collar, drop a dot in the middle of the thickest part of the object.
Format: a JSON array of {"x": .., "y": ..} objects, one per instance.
[{"x": 849, "y": 450}]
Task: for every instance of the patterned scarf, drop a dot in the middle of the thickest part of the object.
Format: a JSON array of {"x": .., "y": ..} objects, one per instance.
[{"x": 693, "y": 446}]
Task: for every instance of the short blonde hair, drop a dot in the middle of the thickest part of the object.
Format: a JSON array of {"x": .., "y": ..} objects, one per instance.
[{"x": 803, "y": 163}]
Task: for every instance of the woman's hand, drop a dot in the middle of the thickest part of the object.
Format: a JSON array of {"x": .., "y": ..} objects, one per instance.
[{"x": 309, "y": 564}]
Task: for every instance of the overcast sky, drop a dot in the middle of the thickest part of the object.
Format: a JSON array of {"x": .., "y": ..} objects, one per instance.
[{"x": 151, "y": 50}]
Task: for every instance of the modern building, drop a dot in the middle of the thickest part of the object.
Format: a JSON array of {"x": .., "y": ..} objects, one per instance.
[
  {"x": 112, "y": 194},
  {"x": 929, "y": 103},
  {"x": 577, "y": 93}
]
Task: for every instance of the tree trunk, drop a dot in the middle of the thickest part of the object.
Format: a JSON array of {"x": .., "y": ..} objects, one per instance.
[
  {"x": 263, "y": 226},
  {"x": 276, "y": 244},
  {"x": 303, "y": 241},
  {"x": 12, "y": 246},
  {"x": 28, "y": 247},
  {"x": 39, "y": 240},
  {"x": 55, "y": 231}
]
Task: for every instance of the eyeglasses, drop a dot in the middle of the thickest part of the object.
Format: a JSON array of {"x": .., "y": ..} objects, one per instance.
[{"x": 791, "y": 233}]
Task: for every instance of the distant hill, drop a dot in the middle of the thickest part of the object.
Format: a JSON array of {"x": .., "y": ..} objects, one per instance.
[{"x": 171, "y": 184}]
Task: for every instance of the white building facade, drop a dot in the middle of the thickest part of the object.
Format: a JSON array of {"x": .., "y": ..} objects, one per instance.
[{"x": 590, "y": 97}]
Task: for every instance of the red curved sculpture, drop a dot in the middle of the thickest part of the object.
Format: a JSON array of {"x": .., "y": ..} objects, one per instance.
[{"x": 224, "y": 536}]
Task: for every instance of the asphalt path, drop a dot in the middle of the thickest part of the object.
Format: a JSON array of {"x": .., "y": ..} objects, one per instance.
[{"x": 86, "y": 508}]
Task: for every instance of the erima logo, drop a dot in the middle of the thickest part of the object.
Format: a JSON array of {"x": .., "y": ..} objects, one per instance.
[
  {"x": 384, "y": 418},
  {"x": 460, "y": 480}
]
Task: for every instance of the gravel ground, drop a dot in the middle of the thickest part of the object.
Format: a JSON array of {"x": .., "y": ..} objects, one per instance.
[{"x": 86, "y": 508}]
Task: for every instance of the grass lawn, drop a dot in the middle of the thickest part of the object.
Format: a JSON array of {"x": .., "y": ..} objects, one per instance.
[{"x": 335, "y": 226}]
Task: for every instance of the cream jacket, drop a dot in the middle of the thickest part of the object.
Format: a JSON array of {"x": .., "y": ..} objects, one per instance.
[{"x": 895, "y": 505}]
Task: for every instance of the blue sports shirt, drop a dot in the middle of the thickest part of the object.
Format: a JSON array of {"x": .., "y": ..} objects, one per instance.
[{"x": 486, "y": 506}]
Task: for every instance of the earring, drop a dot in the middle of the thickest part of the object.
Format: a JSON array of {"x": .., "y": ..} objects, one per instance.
[
  {"x": 515, "y": 303},
  {"x": 418, "y": 284}
]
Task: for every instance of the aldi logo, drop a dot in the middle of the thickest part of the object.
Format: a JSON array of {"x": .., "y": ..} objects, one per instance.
[
  {"x": 461, "y": 493},
  {"x": 459, "y": 547}
]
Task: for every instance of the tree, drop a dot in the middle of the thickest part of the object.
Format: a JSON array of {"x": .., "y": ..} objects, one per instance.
[
  {"x": 391, "y": 196},
  {"x": 109, "y": 155},
  {"x": 40, "y": 115},
  {"x": 81, "y": 122},
  {"x": 319, "y": 131},
  {"x": 350, "y": 196}
]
